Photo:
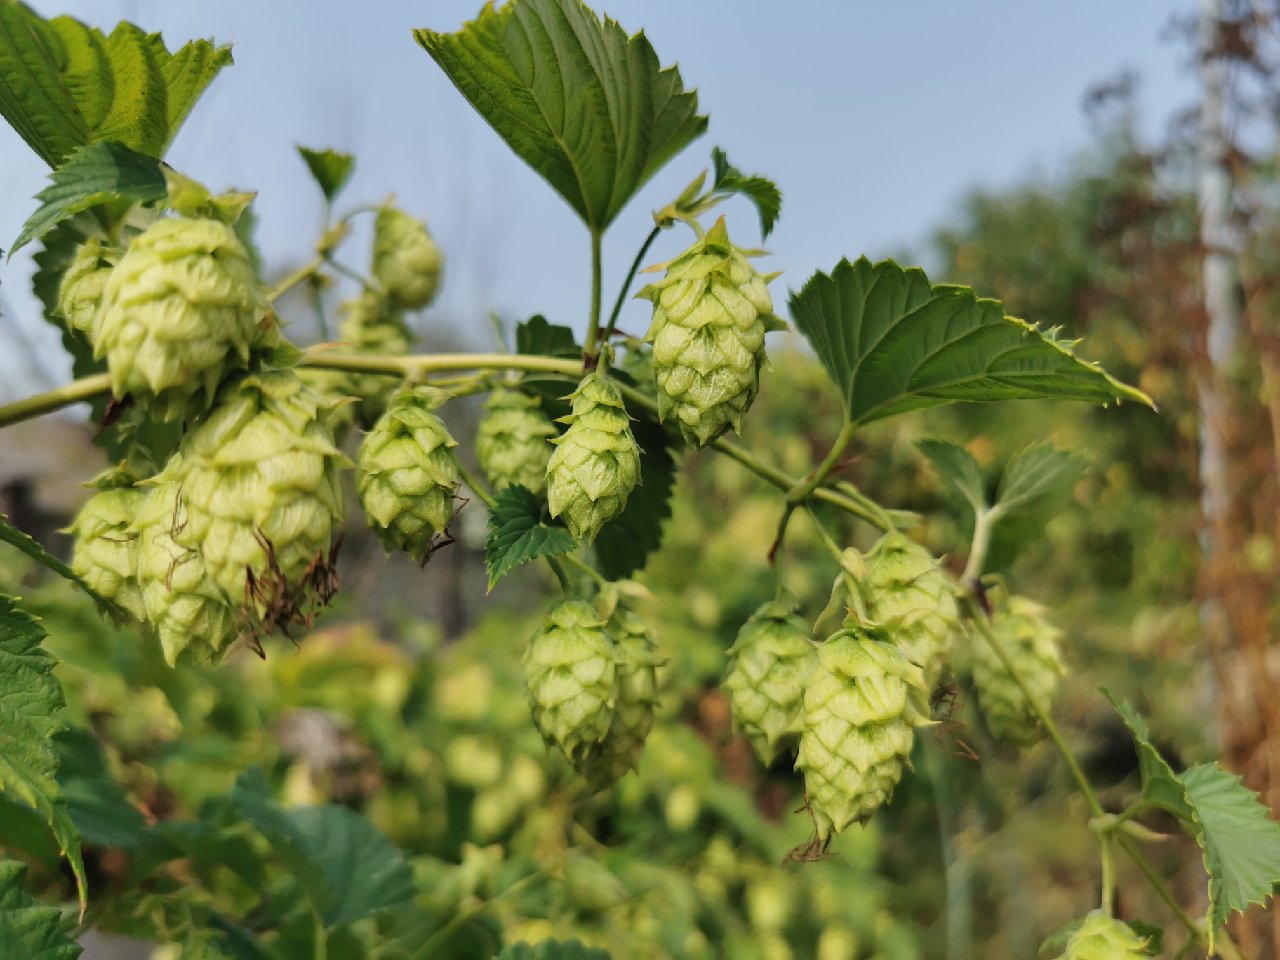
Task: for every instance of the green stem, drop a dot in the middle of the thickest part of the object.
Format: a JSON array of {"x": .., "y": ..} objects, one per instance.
[
  {"x": 78, "y": 391},
  {"x": 1108, "y": 874},
  {"x": 475, "y": 485},
  {"x": 322, "y": 937},
  {"x": 300, "y": 275},
  {"x": 365, "y": 282},
  {"x": 432, "y": 947},
  {"x": 317, "y": 301},
  {"x": 802, "y": 490},
  {"x": 626, "y": 284},
  {"x": 983, "y": 522},
  {"x": 1162, "y": 890},
  {"x": 584, "y": 567},
  {"x": 591, "y": 346},
  {"x": 326, "y": 359}
]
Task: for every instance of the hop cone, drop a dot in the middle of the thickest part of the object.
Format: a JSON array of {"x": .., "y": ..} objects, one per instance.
[
  {"x": 406, "y": 260},
  {"x": 863, "y": 701},
  {"x": 182, "y": 603},
  {"x": 637, "y": 685},
  {"x": 178, "y": 311},
  {"x": 407, "y": 474},
  {"x": 1100, "y": 937},
  {"x": 512, "y": 441},
  {"x": 710, "y": 314},
  {"x": 769, "y": 667},
  {"x": 571, "y": 673},
  {"x": 80, "y": 294},
  {"x": 1031, "y": 642},
  {"x": 105, "y": 554},
  {"x": 596, "y": 463},
  {"x": 259, "y": 485},
  {"x": 905, "y": 591}
]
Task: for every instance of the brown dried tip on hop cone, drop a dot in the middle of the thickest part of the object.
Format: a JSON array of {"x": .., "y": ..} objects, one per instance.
[
  {"x": 80, "y": 294},
  {"x": 1099, "y": 937},
  {"x": 407, "y": 475},
  {"x": 906, "y": 591},
  {"x": 185, "y": 607},
  {"x": 571, "y": 673},
  {"x": 179, "y": 311},
  {"x": 105, "y": 551},
  {"x": 710, "y": 314},
  {"x": 769, "y": 667},
  {"x": 1030, "y": 641},
  {"x": 406, "y": 260},
  {"x": 513, "y": 440},
  {"x": 258, "y": 481},
  {"x": 596, "y": 463},
  {"x": 862, "y": 704}
]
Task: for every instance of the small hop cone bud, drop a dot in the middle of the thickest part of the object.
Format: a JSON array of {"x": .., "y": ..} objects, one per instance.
[
  {"x": 710, "y": 314},
  {"x": 105, "y": 554},
  {"x": 862, "y": 704},
  {"x": 259, "y": 485},
  {"x": 571, "y": 673},
  {"x": 769, "y": 667},
  {"x": 80, "y": 294},
  {"x": 406, "y": 260},
  {"x": 513, "y": 441},
  {"x": 182, "y": 603},
  {"x": 904, "y": 590},
  {"x": 180, "y": 309},
  {"x": 637, "y": 680},
  {"x": 407, "y": 475},
  {"x": 1031, "y": 642},
  {"x": 1099, "y": 937},
  {"x": 596, "y": 463}
]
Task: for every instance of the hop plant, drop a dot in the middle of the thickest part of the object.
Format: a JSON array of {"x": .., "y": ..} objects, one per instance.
[
  {"x": 83, "y": 283},
  {"x": 637, "y": 683},
  {"x": 862, "y": 703},
  {"x": 596, "y": 463},
  {"x": 710, "y": 314},
  {"x": 406, "y": 260},
  {"x": 182, "y": 603},
  {"x": 259, "y": 487},
  {"x": 178, "y": 312},
  {"x": 1099, "y": 937},
  {"x": 105, "y": 553},
  {"x": 904, "y": 590},
  {"x": 769, "y": 667},
  {"x": 407, "y": 475},
  {"x": 1031, "y": 642},
  {"x": 571, "y": 673},
  {"x": 512, "y": 441}
]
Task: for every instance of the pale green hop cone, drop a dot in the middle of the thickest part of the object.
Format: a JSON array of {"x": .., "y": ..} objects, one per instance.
[
  {"x": 861, "y": 707},
  {"x": 637, "y": 683},
  {"x": 407, "y": 474},
  {"x": 179, "y": 311},
  {"x": 1031, "y": 641},
  {"x": 1099, "y": 937},
  {"x": 710, "y": 315},
  {"x": 105, "y": 550},
  {"x": 513, "y": 441},
  {"x": 596, "y": 463},
  {"x": 769, "y": 667},
  {"x": 83, "y": 283},
  {"x": 571, "y": 673},
  {"x": 406, "y": 259},
  {"x": 259, "y": 486}
]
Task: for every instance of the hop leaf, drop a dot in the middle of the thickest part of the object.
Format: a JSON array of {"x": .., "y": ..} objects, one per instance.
[
  {"x": 861, "y": 706},
  {"x": 1031, "y": 642},
  {"x": 512, "y": 441},
  {"x": 406, "y": 260},
  {"x": 710, "y": 314},
  {"x": 105, "y": 553},
  {"x": 596, "y": 463},
  {"x": 769, "y": 667}
]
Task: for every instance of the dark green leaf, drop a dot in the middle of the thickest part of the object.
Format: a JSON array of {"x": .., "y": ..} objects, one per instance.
[
  {"x": 956, "y": 466},
  {"x": 537, "y": 337},
  {"x": 892, "y": 342},
  {"x": 331, "y": 169},
  {"x": 30, "y": 930},
  {"x": 761, "y": 191},
  {"x": 16, "y": 538},
  {"x": 1038, "y": 480},
  {"x": 96, "y": 801},
  {"x": 625, "y": 543},
  {"x": 552, "y": 950},
  {"x": 98, "y": 173},
  {"x": 587, "y": 107},
  {"x": 518, "y": 533},
  {"x": 33, "y": 95},
  {"x": 187, "y": 73},
  {"x": 1160, "y": 785},
  {"x": 30, "y": 704}
]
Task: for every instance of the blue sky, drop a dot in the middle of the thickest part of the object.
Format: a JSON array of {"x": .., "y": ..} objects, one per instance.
[{"x": 874, "y": 118}]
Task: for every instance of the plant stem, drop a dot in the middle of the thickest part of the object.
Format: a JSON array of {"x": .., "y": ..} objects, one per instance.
[
  {"x": 78, "y": 391},
  {"x": 983, "y": 521},
  {"x": 802, "y": 490},
  {"x": 475, "y": 485},
  {"x": 591, "y": 345},
  {"x": 300, "y": 275},
  {"x": 626, "y": 284},
  {"x": 462, "y": 917},
  {"x": 404, "y": 366},
  {"x": 1108, "y": 874}
]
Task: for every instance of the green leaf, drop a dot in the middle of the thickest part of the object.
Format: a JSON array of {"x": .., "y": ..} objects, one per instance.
[
  {"x": 893, "y": 342},
  {"x": 518, "y": 533},
  {"x": 331, "y": 169},
  {"x": 346, "y": 868},
  {"x": 187, "y": 73},
  {"x": 30, "y": 703},
  {"x": 138, "y": 116},
  {"x": 98, "y": 173},
  {"x": 625, "y": 543},
  {"x": 16, "y": 538},
  {"x": 538, "y": 337},
  {"x": 586, "y": 106},
  {"x": 1160, "y": 785},
  {"x": 1241, "y": 843},
  {"x": 97, "y": 803},
  {"x": 86, "y": 72},
  {"x": 1038, "y": 479},
  {"x": 33, "y": 95},
  {"x": 761, "y": 191},
  {"x": 30, "y": 930},
  {"x": 552, "y": 950},
  {"x": 958, "y": 469}
]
